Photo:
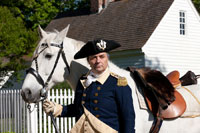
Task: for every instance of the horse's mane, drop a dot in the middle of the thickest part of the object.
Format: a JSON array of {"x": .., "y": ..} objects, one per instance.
[
  {"x": 76, "y": 44},
  {"x": 116, "y": 69}
]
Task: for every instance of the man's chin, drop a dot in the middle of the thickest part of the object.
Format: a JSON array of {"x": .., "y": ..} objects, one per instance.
[{"x": 99, "y": 71}]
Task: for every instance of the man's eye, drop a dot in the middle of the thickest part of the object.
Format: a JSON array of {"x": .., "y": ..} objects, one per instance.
[
  {"x": 91, "y": 58},
  {"x": 102, "y": 56}
]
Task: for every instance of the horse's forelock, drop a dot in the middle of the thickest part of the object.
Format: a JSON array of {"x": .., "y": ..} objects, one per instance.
[{"x": 55, "y": 32}]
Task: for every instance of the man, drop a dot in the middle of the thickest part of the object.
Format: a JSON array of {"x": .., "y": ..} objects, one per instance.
[{"x": 103, "y": 100}]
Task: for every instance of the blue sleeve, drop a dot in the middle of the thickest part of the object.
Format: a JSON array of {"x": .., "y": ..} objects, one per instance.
[
  {"x": 127, "y": 113},
  {"x": 69, "y": 111},
  {"x": 73, "y": 110}
]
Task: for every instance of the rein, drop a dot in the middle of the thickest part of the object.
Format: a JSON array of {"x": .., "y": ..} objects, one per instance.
[{"x": 35, "y": 73}]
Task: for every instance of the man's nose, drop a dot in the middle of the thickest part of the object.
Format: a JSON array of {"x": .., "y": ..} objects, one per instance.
[{"x": 98, "y": 59}]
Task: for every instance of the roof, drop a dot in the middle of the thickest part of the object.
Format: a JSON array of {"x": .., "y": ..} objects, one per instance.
[{"x": 129, "y": 22}]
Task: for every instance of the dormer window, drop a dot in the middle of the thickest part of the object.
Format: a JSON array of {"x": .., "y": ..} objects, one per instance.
[{"x": 182, "y": 22}]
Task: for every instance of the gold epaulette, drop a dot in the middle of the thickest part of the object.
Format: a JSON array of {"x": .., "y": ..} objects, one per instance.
[{"x": 121, "y": 81}]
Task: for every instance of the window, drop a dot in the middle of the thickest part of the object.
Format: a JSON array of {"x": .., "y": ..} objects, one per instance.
[{"x": 182, "y": 22}]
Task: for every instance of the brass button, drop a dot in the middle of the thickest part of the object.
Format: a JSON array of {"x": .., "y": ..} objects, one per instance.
[
  {"x": 96, "y": 94},
  {"x": 95, "y": 101},
  {"x": 97, "y": 116},
  {"x": 84, "y": 94},
  {"x": 96, "y": 108},
  {"x": 98, "y": 88},
  {"x": 83, "y": 102}
]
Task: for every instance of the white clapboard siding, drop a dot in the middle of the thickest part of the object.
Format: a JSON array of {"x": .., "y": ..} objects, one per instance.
[{"x": 168, "y": 49}]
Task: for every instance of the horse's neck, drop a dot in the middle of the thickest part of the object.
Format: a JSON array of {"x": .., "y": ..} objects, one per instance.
[
  {"x": 117, "y": 70},
  {"x": 77, "y": 67},
  {"x": 71, "y": 46}
]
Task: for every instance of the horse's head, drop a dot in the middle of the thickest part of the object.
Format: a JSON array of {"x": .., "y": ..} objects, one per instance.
[{"x": 49, "y": 65}]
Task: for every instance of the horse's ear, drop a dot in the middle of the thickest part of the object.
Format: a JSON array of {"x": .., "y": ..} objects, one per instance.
[
  {"x": 62, "y": 34},
  {"x": 65, "y": 30},
  {"x": 41, "y": 32}
]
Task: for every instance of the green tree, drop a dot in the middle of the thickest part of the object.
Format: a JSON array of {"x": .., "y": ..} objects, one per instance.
[
  {"x": 197, "y": 4},
  {"x": 15, "y": 41},
  {"x": 19, "y": 20},
  {"x": 19, "y": 24},
  {"x": 41, "y": 12},
  {"x": 33, "y": 12}
]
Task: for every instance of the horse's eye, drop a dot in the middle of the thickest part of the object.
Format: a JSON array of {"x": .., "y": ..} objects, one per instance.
[
  {"x": 44, "y": 44},
  {"x": 48, "y": 56}
]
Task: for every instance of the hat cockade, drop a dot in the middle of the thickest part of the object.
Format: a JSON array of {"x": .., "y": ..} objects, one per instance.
[{"x": 101, "y": 45}]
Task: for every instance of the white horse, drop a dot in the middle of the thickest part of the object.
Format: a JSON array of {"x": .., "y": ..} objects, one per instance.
[{"x": 46, "y": 55}]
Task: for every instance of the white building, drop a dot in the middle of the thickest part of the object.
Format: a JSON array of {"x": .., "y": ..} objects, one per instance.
[{"x": 161, "y": 34}]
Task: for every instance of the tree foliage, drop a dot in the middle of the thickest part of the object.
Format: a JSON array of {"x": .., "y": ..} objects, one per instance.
[
  {"x": 19, "y": 20},
  {"x": 41, "y": 12},
  {"x": 15, "y": 40},
  {"x": 197, "y": 4}
]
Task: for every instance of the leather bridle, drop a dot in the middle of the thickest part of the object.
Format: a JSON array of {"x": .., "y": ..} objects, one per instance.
[{"x": 36, "y": 74}]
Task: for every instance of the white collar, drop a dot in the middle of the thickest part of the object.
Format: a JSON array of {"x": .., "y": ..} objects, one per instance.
[{"x": 92, "y": 77}]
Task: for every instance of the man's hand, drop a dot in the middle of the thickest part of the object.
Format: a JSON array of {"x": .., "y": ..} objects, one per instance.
[{"x": 53, "y": 107}]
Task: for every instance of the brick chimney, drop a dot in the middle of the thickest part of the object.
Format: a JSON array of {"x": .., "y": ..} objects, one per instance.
[{"x": 98, "y": 5}]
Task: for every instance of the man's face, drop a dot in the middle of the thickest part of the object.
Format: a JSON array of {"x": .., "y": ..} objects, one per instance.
[{"x": 98, "y": 62}]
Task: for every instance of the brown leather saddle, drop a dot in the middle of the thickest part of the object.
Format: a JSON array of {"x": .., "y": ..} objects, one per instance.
[
  {"x": 160, "y": 95},
  {"x": 173, "y": 77}
]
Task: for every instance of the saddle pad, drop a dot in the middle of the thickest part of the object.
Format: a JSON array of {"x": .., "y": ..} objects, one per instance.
[
  {"x": 192, "y": 106},
  {"x": 141, "y": 99}
]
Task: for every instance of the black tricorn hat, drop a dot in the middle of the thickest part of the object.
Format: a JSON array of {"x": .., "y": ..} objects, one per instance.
[{"x": 95, "y": 47}]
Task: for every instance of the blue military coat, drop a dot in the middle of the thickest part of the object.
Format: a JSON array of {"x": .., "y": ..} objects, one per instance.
[{"x": 109, "y": 99}]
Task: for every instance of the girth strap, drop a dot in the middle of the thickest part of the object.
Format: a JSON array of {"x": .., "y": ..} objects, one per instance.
[{"x": 157, "y": 123}]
